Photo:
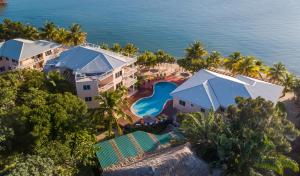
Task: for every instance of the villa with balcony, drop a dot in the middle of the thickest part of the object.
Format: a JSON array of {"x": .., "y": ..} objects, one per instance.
[
  {"x": 22, "y": 54},
  {"x": 94, "y": 70}
]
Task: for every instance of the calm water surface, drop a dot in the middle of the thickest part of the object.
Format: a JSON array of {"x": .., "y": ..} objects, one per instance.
[{"x": 268, "y": 29}]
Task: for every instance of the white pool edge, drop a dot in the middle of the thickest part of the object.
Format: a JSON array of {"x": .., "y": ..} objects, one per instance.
[{"x": 132, "y": 109}]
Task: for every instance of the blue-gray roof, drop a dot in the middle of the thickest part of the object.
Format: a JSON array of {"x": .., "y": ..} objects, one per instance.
[
  {"x": 212, "y": 90},
  {"x": 89, "y": 60},
  {"x": 19, "y": 49}
]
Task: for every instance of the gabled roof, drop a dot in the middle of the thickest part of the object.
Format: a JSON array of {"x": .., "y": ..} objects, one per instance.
[
  {"x": 19, "y": 49},
  {"x": 91, "y": 60},
  {"x": 123, "y": 149},
  {"x": 208, "y": 89}
]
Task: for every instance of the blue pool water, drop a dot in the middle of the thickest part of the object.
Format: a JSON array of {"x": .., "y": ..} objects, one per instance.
[{"x": 153, "y": 105}]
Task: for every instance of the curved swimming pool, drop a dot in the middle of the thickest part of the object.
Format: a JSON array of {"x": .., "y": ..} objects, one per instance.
[{"x": 153, "y": 105}]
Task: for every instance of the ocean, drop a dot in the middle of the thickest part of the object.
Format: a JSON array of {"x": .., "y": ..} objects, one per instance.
[{"x": 267, "y": 29}]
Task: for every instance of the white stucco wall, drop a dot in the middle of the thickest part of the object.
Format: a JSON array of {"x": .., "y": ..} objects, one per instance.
[
  {"x": 93, "y": 92},
  {"x": 189, "y": 107}
]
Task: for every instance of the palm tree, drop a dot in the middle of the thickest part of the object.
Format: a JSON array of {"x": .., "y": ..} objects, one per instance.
[
  {"x": 289, "y": 82},
  {"x": 130, "y": 50},
  {"x": 49, "y": 31},
  {"x": 77, "y": 36},
  {"x": 277, "y": 72},
  {"x": 62, "y": 36},
  {"x": 232, "y": 60},
  {"x": 104, "y": 46},
  {"x": 111, "y": 108},
  {"x": 195, "y": 51},
  {"x": 30, "y": 33},
  {"x": 116, "y": 48},
  {"x": 214, "y": 60},
  {"x": 147, "y": 59},
  {"x": 247, "y": 66}
]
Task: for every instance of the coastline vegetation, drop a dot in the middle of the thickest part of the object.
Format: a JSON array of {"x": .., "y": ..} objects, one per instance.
[
  {"x": 14, "y": 29},
  {"x": 46, "y": 128},
  {"x": 251, "y": 138}
]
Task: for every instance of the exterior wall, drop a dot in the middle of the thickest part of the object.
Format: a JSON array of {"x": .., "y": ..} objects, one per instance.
[
  {"x": 34, "y": 62},
  {"x": 92, "y": 92},
  {"x": 116, "y": 80},
  {"x": 188, "y": 106},
  {"x": 7, "y": 64}
]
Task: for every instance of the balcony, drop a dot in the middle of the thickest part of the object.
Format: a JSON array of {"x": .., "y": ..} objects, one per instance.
[
  {"x": 129, "y": 82},
  {"x": 128, "y": 71},
  {"x": 106, "y": 87}
]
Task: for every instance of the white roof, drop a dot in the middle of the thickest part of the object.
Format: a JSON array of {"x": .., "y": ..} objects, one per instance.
[
  {"x": 208, "y": 89},
  {"x": 91, "y": 60},
  {"x": 19, "y": 49}
]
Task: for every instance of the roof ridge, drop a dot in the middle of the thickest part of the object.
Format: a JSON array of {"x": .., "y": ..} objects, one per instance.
[
  {"x": 187, "y": 88},
  {"x": 205, "y": 85},
  {"x": 21, "y": 51}
]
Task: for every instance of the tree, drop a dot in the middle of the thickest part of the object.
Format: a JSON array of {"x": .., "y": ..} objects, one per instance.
[
  {"x": 248, "y": 66},
  {"x": 195, "y": 51},
  {"x": 33, "y": 165},
  {"x": 147, "y": 59},
  {"x": 39, "y": 118},
  {"x": 49, "y": 31},
  {"x": 76, "y": 35},
  {"x": 130, "y": 50},
  {"x": 62, "y": 36},
  {"x": 104, "y": 46},
  {"x": 11, "y": 29},
  {"x": 214, "y": 60},
  {"x": 111, "y": 109},
  {"x": 289, "y": 82},
  {"x": 116, "y": 48},
  {"x": 232, "y": 60},
  {"x": 277, "y": 72},
  {"x": 251, "y": 138}
]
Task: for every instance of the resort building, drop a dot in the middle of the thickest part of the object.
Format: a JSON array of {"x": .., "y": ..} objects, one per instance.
[
  {"x": 21, "y": 54},
  {"x": 141, "y": 153},
  {"x": 208, "y": 90},
  {"x": 94, "y": 70}
]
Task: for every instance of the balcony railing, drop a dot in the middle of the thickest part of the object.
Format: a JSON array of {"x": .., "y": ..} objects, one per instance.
[
  {"x": 128, "y": 71},
  {"x": 103, "y": 88},
  {"x": 129, "y": 82}
]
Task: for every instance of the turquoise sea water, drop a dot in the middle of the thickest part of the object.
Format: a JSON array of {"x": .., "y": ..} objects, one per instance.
[
  {"x": 153, "y": 105},
  {"x": 268, "y": 29}
]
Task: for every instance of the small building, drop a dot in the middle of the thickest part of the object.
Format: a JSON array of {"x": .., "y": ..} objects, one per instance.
[
  {"x": 141, "y": 153},
  {"x": 94, "y": 70},
  {"x": 208, "y": 90},
  {"x": 21, "y": 54}
]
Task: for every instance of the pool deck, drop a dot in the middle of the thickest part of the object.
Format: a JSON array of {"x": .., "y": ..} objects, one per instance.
[{"x": 145, "y": 91}]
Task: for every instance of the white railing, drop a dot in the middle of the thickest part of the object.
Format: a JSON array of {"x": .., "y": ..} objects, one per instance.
[
  {"x": 103, "y": 88},
  {"x": 129, "y": 82},
  {"x": 128, "y": 71}
]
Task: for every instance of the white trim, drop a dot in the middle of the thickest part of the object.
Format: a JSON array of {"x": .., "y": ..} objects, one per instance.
[{"x": 132, "y": 109}]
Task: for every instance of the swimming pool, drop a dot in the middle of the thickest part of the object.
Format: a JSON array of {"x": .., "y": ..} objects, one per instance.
[{"x": 153, "y": 105}]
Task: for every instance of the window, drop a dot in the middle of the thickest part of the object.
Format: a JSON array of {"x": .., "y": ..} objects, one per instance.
[
  {"x": 2, "y": 69},
  {"x": 182, "y": 103},
  {"x": 117, "y": 75},
  {"x": 86, "y": 87},
  {"x": 48, "y": 53},
  {"x": 88, "y": 98},
  {"x": 9, "y": 68},
  {"x": 119, "y": 85},
  {"x": 7, "y": 59},
  {"x": 202, "y": 110},
  {"x": 192, "y": 105}
]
